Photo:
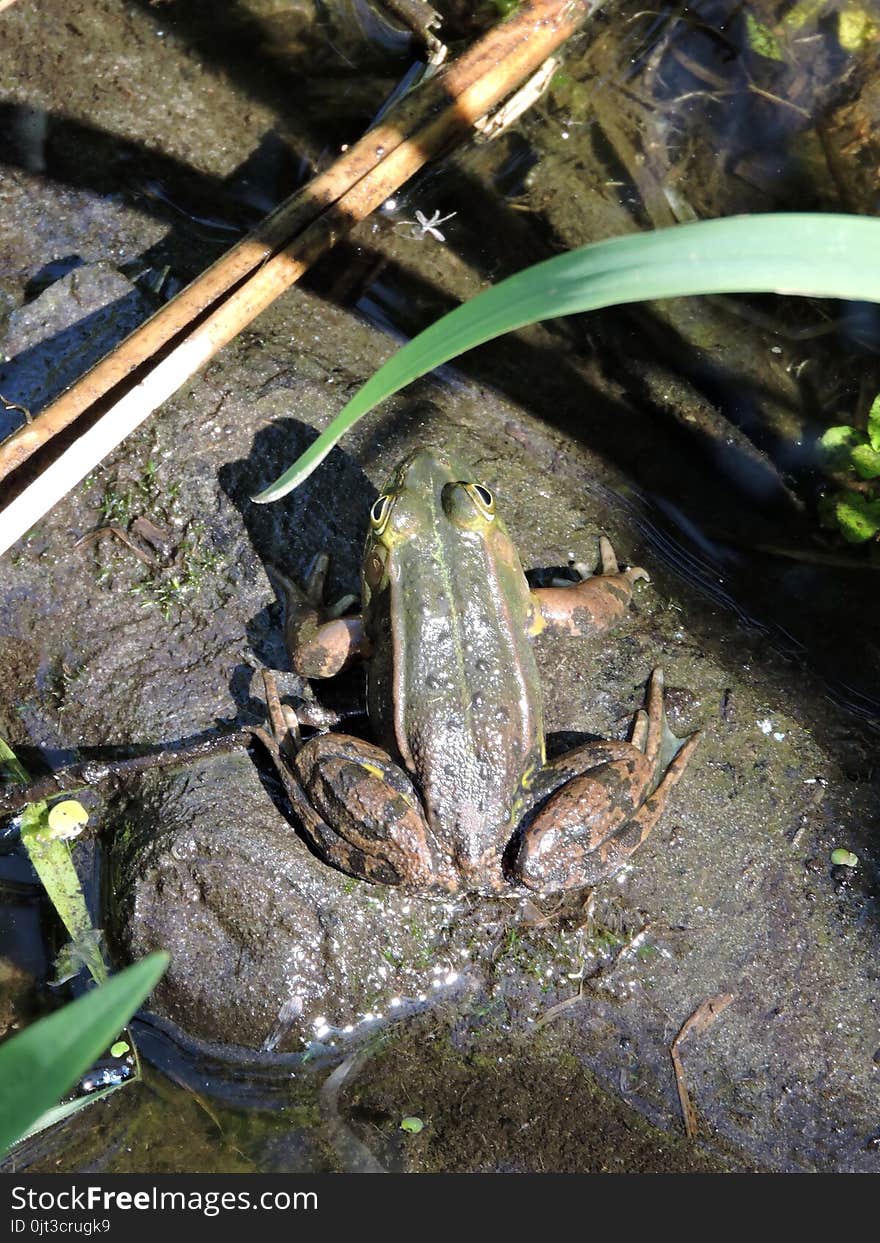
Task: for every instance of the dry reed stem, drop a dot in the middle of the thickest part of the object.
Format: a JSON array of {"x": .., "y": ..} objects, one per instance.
[{"x": 276, "y": 254}]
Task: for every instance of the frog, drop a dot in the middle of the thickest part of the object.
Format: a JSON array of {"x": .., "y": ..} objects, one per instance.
[{"x": 455, "y": 792}]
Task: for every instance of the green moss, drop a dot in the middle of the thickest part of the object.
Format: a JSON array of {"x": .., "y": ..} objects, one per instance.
[
  {"x": 847, "y": 451},
  {"x": 762, "y": 40},
  {"x": 837, "y": 444},
  {"x": 866, "y": 461},
  {"x": 195, "y": 564},
  {"x": 857, "y": 516}
]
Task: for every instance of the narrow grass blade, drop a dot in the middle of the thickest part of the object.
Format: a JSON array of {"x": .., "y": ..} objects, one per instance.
[
  {"x": 10, "y": 763},
  {"x": 60, "y": 1113},
  {"x": 44, "y": 1061},
  {"x": 817, "y": 255},
  {"x": 51, "y": 860}
]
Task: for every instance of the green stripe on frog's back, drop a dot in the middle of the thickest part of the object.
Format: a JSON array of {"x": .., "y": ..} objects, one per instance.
[{"x": 465, "y": 689}]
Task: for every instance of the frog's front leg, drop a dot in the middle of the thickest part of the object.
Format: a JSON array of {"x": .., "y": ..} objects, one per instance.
[
  {"x": 590, "y": 606},
  {"x": 613, "y": 793},
  {"x": 319, "y": 641},
  {"x": 362, "y": 813}
]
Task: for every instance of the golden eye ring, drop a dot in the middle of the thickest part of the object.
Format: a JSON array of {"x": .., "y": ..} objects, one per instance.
[
  {"x": 483, "y": 499},
  {"x": 380, "y": 513}
]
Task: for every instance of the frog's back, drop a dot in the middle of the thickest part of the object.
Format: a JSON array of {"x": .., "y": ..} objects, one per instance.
[{"x": 453, "y": 685}]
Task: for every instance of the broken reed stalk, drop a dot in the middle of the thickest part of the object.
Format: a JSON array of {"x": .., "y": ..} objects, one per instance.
[
  {"x": 271, "y": 259},
  {"x": 702, "y": 1018}
]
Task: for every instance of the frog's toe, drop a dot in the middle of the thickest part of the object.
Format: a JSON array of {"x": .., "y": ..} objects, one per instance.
[
  {"x": 661, "y": 746},
  {"x": 291, "y": 594},
  {"x": 639, "y": 732},
  {"x": 316, "y": 590},
  {"x": 316, "y": 580},
  {"x": 309, "y": 597},
  {"x": 655, "y": 713},
  {"x": 608, "y": 563},
  {"x": 283, "y": 720}
]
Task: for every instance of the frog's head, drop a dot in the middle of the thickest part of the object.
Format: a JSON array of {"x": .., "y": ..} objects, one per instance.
[{"x": 427, "y": 494}]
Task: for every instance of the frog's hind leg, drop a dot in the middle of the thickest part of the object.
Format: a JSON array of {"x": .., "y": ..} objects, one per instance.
[
  {"x": 614, "y": 851},
  {"x": 594, "y": 821},
  {"x": 363, "y": 814}
]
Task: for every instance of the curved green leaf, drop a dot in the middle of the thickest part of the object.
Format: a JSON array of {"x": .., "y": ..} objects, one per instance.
[
  {"x": 40, "y": 1064},
  {"x": 817, "y": 255},
  {"x": 51, "y": 860}
]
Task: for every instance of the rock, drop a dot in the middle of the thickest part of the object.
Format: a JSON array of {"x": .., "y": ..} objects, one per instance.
[
  {"x": 267, "y": 940},
  {"x": 53, "y": 340},
  {"x": 269, "y": 946}
]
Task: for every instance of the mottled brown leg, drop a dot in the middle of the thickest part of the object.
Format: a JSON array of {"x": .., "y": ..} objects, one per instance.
[
  {"x": 319, "y": 641},
  {"x": 347, "y": 778},
  {"x": 364, "y": 815},
  {"x": 592, "y": 824},
  {"x": 355, "y": 805},
  {"x": 590, "y": 606}
]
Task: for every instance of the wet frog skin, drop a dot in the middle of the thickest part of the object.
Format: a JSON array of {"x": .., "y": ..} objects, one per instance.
[{"x": 456, "y": 793}]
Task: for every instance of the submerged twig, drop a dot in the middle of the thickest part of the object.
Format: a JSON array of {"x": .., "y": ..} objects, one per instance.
[
  {"x": 13, "y": 405},
  {"x": 96, "y": 774},
  {"x": 203, "y": 318},
  {"x": 559, "y": 1008},
  {"x": 703, "y": 1017},
  {"x": 354, "y": 1154}
]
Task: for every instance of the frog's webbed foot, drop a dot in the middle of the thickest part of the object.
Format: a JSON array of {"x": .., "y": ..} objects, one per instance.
[
  {"x": 319, "y": 640},
  {"x": 598, "y": 601},
  {"x": 612, "y": 795},
  {"x": 284, "y": 724}
]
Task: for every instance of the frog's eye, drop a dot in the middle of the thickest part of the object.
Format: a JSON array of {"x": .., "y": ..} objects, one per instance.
[
  {"x": 483, "y": 499},
  {"x": 469, "y": 505},
  {"x": 380, "y": 513}
]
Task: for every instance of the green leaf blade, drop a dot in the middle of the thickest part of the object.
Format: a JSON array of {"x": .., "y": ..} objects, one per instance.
[
  {"x": 40, "y": 1064},
  {"x": 51, "y": 860},
  {"x": 810, "y": 254},
  {"x": 10, "y": 763},
  {"x": 874, "y": 423}
]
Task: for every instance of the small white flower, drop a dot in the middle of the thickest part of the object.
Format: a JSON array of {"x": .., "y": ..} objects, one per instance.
[{"x": 422, "y": 225}]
